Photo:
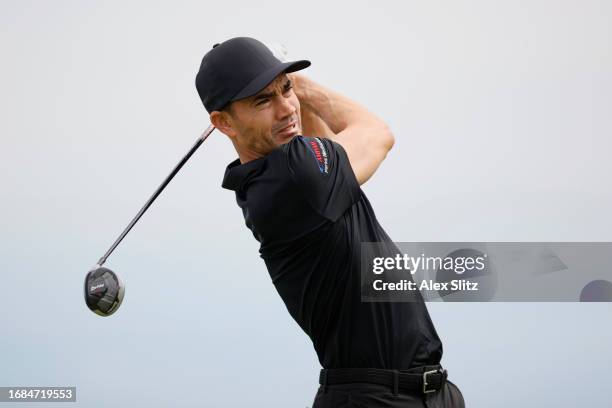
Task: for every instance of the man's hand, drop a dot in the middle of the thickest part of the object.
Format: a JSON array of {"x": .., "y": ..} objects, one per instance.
[{"x": 312, "y": 124}]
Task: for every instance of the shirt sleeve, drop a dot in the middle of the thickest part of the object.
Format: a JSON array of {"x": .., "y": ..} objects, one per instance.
[{"x": 321, "y": 170}]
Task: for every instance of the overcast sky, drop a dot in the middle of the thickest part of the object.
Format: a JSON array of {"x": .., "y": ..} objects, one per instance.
[{"x": 501, "y": 112}]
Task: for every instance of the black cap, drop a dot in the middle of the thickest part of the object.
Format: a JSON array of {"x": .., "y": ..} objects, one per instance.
[{"x": 238, "y": 68}]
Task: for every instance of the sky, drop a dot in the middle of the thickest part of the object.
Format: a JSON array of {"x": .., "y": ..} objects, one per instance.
[{"x": 501, "y": 113}]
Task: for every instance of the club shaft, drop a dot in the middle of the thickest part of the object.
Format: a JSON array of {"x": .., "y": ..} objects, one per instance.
[{"x": 163, "y": 185}]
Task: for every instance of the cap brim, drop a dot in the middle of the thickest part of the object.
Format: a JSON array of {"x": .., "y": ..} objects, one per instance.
[{"x": 268, "y": 76}]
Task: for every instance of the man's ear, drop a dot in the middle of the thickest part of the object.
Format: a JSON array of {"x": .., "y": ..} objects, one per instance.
[{"x": 223, "y": 122}]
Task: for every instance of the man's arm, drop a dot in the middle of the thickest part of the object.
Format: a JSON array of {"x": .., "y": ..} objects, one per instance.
[
  {"x": 365, "y": 137},
  {"x": 313, "y": 125}
]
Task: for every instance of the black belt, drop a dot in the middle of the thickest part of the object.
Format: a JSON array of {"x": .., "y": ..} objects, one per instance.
[{"x": 423, "y": 379}]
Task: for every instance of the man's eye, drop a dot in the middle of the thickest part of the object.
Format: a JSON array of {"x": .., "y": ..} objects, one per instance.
[
  {"x": 261, "y": 102},
  {"x": 288, "y": 88}
]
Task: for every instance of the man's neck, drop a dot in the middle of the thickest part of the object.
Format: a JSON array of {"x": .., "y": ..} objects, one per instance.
[{"x": 245, "y": 154}]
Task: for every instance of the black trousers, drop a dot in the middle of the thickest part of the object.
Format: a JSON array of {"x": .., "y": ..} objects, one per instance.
[{"x": 362, "y": 395}]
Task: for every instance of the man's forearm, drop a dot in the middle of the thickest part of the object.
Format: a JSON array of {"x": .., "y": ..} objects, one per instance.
[
  {"x": 336, "y": 110},
  {"x": 313, "y": 125},
  {"x": 365, "y": 138}
]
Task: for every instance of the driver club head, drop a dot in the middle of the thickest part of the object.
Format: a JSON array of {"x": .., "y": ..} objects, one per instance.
[
  {"x": 103, "y": 288},
  {"x": 103, "y": 291}
]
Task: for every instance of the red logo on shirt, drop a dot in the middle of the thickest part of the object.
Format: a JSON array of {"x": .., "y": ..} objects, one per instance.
[{"x": 317, "y": 147}]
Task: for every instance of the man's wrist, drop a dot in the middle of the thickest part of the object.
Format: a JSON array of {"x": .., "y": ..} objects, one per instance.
[
  {"x": 313, "y": 97},
  {"x": 336, "y": 110},
  {"x": 300, "y": 87}
]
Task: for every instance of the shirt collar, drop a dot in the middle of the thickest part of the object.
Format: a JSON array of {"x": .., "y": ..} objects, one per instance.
[{"x": 236, "y": 174}]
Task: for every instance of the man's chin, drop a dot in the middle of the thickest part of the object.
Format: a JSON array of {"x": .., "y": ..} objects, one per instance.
[{"x": 283, "y": 139}]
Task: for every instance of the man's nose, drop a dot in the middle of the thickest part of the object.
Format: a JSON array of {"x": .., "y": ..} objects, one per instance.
[{"x": 285, "y": 108}]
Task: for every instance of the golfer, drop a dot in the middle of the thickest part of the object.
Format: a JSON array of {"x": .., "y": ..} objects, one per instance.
[{"x": 303, "y": 152}]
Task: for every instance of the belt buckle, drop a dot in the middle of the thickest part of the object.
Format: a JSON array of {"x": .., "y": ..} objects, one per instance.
[{"x": 425, "y": 390}]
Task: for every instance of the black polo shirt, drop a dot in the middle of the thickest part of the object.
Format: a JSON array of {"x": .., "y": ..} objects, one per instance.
[{"x": 304, "y": 205}]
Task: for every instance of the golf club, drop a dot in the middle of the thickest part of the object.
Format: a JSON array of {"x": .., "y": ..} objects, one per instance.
[{"x": 104, "y": 289}]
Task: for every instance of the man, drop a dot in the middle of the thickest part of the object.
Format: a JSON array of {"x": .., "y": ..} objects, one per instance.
[{"x": 301, "y": 198}]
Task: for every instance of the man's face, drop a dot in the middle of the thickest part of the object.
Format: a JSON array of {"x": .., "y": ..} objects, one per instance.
[{"x": 260, "y": 123}]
